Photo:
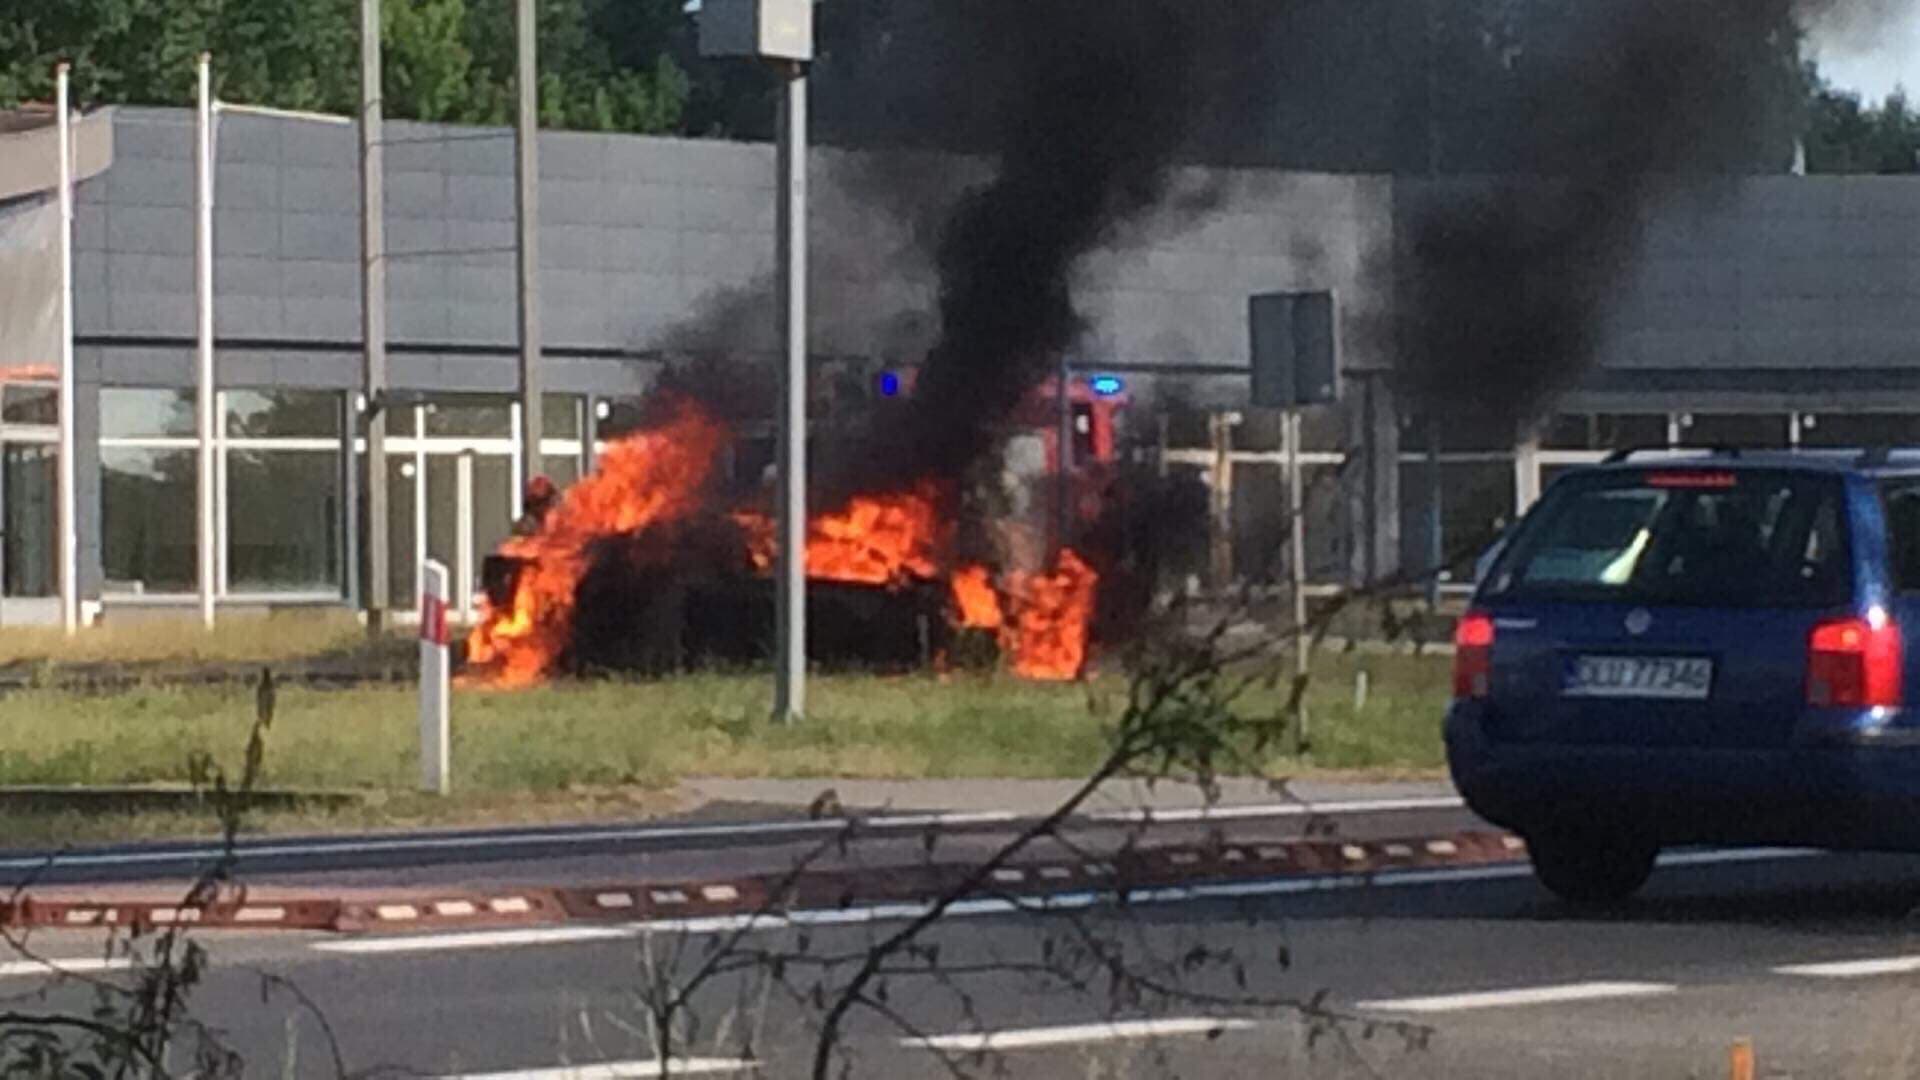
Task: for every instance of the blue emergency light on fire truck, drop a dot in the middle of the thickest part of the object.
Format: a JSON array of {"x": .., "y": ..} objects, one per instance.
[{"x": 1096, "y": 403}]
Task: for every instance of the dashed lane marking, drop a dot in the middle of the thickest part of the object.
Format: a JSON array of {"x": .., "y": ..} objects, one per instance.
[
  {"x": 1532, "y": 995},
  {"x": 1853, "y": 969},
  {"x": 480, "y": 939},
  {"x": 52, "y": 966}
]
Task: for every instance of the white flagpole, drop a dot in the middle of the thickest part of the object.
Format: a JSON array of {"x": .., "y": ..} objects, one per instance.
[
  {"x": 208, "y": 525},
  {"x": 69, "y": 525}
]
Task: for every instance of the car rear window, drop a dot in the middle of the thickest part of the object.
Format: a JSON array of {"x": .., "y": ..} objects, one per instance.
[{"x": 1707, "y": 537}]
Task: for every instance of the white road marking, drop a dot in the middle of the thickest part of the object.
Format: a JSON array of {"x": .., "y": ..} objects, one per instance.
[
  {"x": 616, "y": 1070},
  {"x": 1031, "y": 1038},
  {"x": 579, "y": 837},
  {"x": 479, "y": 939},
  {"x": 1853, "y": 969},
  {"x": 53, "y": 966},
  {"x": 1535, "y": 995}
]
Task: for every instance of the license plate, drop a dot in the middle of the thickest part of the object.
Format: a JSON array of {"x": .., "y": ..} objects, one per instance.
[{"x": 1685, "y": 678}]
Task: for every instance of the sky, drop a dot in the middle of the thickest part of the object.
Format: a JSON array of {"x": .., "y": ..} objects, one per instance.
[{"x": 1872, "y": 63}]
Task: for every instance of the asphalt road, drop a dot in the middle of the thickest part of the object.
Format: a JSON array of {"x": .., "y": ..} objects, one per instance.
[{"x": 1815, "y": 957}]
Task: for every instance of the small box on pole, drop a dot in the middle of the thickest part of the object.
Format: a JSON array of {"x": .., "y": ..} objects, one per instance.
[
  {"x": 435, "y": 676},
  {"x": 762, "y": 29}
]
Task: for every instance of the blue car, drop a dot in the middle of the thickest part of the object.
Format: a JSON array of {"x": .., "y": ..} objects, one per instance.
[{"x": 1699, "y": 649}]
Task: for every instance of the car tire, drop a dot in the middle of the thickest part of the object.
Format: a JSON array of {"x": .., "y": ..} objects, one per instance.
[{"x": 1587, "y": 868}]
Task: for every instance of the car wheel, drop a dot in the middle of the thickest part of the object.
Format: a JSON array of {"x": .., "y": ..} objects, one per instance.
[{"x": 1588, "y": 868}]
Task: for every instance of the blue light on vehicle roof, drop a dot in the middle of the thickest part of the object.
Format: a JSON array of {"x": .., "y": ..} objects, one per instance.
[
  {"x": 1107, "y": 385},
  {"x": 889, "y": 384}
]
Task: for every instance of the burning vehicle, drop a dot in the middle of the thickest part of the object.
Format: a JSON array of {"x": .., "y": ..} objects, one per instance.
[{"x": 662, "y": 558}]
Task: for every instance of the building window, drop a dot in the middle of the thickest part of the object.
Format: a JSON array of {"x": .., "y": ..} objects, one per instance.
[
  {"x": 1859, "y": 430},
  {"x": 279, "y": 461},
  {"x": 617, "y": 417},
  {"x": 1734, "y": 429},
  {"x": 470, "y": 417},
  {"x": 1416, "y": 431},
  {"x": 146, "y": 519},
  {"x": 283, "y": 528},
  {"x": 145, "y": 414},
  {"x": 26, "y": 403},
  {"x": 563, "y": 470},
  {"x": 284, "y": 498},
  {"x": 1604, "y": 431},
  {"x": 268, "y": 414},
  {"x": 560, "y": 416},
  {"x": 148, "y": 487},
  {"x": 1476, "y": 505}
]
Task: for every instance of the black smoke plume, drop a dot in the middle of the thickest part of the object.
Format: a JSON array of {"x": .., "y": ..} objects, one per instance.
[
  {"x": 1597, "y": 113},
  {"x": 1081, "y": 108}
]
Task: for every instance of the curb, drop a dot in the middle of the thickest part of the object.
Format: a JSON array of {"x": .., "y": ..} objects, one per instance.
[{"x": 770, "y": 894}]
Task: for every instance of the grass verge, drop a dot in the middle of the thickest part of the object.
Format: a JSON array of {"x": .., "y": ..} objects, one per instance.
[{"x": 599, "y": 749}]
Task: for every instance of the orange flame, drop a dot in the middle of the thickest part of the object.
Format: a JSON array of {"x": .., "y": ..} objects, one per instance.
[
  {"x": 657, "y": 475},
  {"x": 1051, "y": 614},
  {"x": 644, "y": 478},
  {"x": 876, "y": 540},
  {"x": 974, "y": 599}
]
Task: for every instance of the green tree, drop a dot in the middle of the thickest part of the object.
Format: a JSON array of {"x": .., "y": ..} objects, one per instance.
[
  {"x": 427, "y": 64},
  {"x": 1845, "y": 135},
  {"x": 606, "y": 64},
  {"x": 290, "y": 53}
]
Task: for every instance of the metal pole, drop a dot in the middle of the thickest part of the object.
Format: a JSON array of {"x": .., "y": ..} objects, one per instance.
[
  {"x": 373, "y": 314},
  {"x": 526, "y": 138},
  {"x": 1296, "y": 512},
  {"x": 69, "y": 503},
  {"x": 1063, "y": 459},
  {"x": 207, "y": 518},
  {"x": 790, "y": 604}
]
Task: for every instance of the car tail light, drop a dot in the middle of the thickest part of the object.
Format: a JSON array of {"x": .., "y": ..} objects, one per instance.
[
  {"x": 1855, "y": 662},
  {"x": 1473, "y": 655}
]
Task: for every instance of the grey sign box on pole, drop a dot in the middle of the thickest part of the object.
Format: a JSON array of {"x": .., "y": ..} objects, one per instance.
[
  {"x": 767, "y": 29},
  {"x": 1293, "y": 349}
]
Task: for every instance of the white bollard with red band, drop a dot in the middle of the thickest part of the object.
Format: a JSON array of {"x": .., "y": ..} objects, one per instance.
[{"x": 435, "y": 669}]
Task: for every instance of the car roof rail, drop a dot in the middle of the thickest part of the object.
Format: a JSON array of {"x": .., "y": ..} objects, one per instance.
[{"x": 1626, "y": 452}]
